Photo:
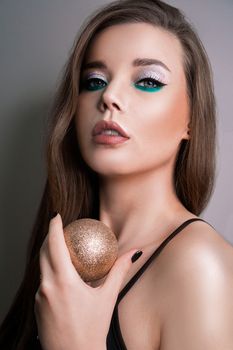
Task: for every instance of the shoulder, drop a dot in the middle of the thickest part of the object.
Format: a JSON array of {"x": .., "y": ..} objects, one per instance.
[
  {"x": 198, "y": 247},
  {"x": 198, "y": 288}
]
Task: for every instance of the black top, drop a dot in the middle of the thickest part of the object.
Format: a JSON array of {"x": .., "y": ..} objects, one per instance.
[{"x": 115, "y": 340}]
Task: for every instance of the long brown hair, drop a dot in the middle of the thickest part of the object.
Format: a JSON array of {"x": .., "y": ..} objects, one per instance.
[{"x": 72, "y": 187}]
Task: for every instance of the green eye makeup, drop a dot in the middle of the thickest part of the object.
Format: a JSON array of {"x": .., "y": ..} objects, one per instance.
[
  {"x": 93, "y": 82},
  {"x": 152, "y": 85},
  {"x": 151, "y": 82}
]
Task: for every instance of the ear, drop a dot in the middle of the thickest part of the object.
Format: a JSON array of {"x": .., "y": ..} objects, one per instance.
[{"x": 186, "y": 134}]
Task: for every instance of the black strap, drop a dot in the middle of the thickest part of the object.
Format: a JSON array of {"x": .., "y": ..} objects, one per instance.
[{"x": 153, "y": 256}]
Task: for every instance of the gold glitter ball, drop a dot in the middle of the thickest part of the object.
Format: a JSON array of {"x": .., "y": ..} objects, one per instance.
[{"x": 93, "y": 248}]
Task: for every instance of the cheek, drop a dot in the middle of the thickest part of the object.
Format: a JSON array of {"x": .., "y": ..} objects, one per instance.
[
  {"x": 165, "y": 118},
  {"x": 83, "y": 119}
]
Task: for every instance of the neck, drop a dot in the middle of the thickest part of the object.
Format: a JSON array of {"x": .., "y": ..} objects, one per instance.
[{"x": 141, "y": 208}]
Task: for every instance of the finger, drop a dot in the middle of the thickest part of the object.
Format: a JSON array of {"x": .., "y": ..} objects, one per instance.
[
  {"x": 118, "y": 272},
  {"x": 46, "y": 267},
  {"x": 55, "y": 257}
]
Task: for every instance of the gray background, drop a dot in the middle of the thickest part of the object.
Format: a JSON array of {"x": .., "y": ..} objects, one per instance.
[{"x": 35, "y": 39}]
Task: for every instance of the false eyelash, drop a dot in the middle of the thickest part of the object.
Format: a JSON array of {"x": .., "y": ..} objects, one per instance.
[
  {"x": 156, "y": 78},
  {"x": 91, "y": 76},
  {"x": 85, "y": 82},
  {"x": 157, "y": 82}
]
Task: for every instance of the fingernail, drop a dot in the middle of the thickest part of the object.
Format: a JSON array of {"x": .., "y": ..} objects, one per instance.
[
  {"x": 136, "y": 256},
  {"x": 54, "y": 214}
]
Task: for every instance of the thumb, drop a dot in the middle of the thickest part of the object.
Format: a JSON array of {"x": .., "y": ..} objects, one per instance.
[{"x": 119, "y": 271}]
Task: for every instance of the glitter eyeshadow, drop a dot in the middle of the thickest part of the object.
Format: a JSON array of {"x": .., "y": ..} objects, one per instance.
[
  {"x": 93, "y": 248},
  {"x": 94, "y": 75},
  {"x": 155, "y": 74}
]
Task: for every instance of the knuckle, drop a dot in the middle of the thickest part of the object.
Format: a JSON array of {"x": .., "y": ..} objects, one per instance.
[
  {"x": 44, "y": 291},
  {"x": 59, "y": 282}
]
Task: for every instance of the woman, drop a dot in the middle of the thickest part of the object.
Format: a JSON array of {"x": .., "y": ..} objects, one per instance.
[{"x": 131, "y": 143}]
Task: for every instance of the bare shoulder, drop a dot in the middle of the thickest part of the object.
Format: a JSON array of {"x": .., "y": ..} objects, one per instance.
[
  {"x": 200, "y": 257},
  {"x": 198, "y": 245},
  {"x": 197, "y": 283}
]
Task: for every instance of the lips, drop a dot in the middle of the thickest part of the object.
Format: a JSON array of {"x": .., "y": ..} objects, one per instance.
[{"x": 108, "y": 125}]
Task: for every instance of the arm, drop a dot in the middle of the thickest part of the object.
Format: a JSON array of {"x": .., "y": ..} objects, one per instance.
[{"x": 199, "y": 311}]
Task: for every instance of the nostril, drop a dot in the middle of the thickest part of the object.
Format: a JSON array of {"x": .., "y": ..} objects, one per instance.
[
  {"x": 110, "y": 106},
  {"x": 115, "y": 105}
]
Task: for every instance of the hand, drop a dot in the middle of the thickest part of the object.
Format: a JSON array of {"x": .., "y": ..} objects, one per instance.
[{"x": 70, "y": 314}]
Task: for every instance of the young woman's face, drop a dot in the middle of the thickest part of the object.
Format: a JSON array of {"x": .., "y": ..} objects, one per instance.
[{"x": 148, "y": 101}]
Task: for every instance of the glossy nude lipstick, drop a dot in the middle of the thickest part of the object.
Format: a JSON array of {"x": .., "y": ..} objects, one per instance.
[{"x": 108, "y": 132}]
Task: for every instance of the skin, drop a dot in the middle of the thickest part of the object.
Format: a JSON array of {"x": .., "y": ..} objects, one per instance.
[
  {"x": 156, "y": 122},
  {"x": 66, "y": 308},
  {"x": 192, "y": 278}
]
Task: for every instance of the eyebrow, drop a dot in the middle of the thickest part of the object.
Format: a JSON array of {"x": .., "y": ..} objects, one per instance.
[{"x": 136, "y": 63}]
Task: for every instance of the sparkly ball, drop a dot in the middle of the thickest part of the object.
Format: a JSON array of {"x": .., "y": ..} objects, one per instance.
[{"x": 93, "y": 248}]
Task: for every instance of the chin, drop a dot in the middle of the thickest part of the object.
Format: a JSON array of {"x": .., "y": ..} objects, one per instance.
[
  {"x": 109, "y": 168},
  {"x": 108, "y": 163}
]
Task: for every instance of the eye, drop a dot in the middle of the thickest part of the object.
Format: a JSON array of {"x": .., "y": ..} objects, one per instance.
[
  {"x": 93, "y": 84},
  {"x": 149, "y": 84}
]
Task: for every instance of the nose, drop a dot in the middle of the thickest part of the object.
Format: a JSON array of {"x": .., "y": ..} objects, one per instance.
[{"x": 111, "y": 99}]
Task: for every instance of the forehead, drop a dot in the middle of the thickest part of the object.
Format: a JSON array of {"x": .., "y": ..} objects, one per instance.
[{"x": 122, "y": 43}]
